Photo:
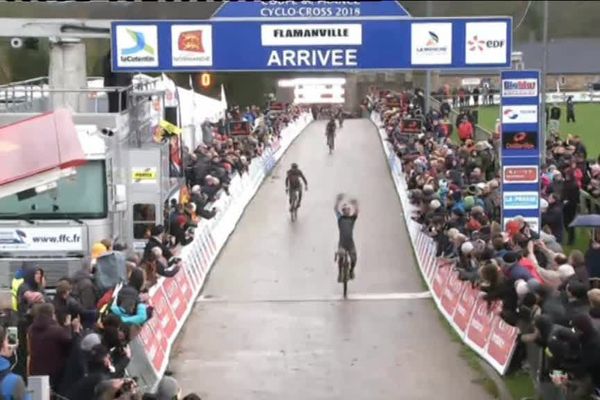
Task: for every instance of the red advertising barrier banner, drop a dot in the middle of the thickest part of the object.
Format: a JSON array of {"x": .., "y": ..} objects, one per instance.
[
  {"x": 451, "y": 294},
  {"x": 502, "y": 339},
  {"x": 153, "y": 342},
  {"x": 465, "y": 307},
  {"x": 440, "y": 278},
  {"x": 480, "y": 327},
  {"x": 177, "y": 303}
]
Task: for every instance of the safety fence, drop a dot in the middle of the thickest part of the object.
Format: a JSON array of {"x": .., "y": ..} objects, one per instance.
[
  {"x": 174, "y": 298},
  {"x": 478, "y": 325}
]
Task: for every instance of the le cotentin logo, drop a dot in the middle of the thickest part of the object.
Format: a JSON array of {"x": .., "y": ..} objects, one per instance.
[{"x": 137, "y": 45}]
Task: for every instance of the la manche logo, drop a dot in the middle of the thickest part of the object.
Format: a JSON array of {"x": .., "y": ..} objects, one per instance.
[
  {"x": 129, "y": 54},
  {"x": 433, "y": 39},
  {"x": 433, "y": 44}
]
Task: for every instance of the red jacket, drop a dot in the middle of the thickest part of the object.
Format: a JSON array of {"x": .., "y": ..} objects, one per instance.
[{"x": 465, "y": 131}]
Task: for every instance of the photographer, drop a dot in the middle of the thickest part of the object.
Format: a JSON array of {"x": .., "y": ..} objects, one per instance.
[{"x": 12, "y": 386}]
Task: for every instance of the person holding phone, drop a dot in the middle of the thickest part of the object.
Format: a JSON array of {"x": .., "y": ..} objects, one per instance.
[{"x": 12, "y": 385}]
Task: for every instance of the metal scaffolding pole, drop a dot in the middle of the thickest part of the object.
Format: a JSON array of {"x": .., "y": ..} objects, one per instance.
[
  {"x": 429, "y": 11},
  {"x": 543, "y": 82}
]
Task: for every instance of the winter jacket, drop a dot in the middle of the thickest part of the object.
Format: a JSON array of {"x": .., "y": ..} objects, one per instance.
[
  {"x": 49, "y": 345},
  {"x": 12, "y": 386},
  {"x": 84, "y": 289}
]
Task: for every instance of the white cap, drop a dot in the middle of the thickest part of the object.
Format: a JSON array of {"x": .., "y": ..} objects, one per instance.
[
  {"x": 543, "y": 204},
  {"x": 565, "y": 271},
  {"x": 522, "y": 288},
  {"x": 435, "y": 204},
  {"x": 466, "y": 248}
]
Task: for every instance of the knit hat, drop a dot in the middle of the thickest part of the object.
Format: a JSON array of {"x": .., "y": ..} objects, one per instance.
[
  {"x": 467, "y": 248},
  {"x": 98, "y": 249},
  {"x": 452, "y": 233},
  {"x": 510, "y": 258},
  {"x": 89, "y": 341},
  {"x": 513, "y": 227},
  {"x": 469, "y": 202},
  {"x": 168, "y": 388}
]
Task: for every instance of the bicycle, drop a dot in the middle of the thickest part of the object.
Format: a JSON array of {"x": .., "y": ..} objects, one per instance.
[
  {"x": 294, "y": 204},
  {"x": 343, "y": 260}
]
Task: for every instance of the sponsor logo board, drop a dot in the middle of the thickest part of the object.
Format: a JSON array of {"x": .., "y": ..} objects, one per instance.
[
  {"x": 486, "y": 42},
  {"x": 520, "y": 174},
  {"x": 311, "y": 35},
  {"x": 137, "y": 45},
  {"x": 532, "y": 222},
  {"x": 520, "y": 114},
  {"x": 41, "y": 239},
  {"x": 522, "y": 140},
  {"x": 192, "y": 45},
  {"x": 143, "y": 175},
  {"x": 519, "y": 87},
  {"x": 521, "y": 200},
  {"x": 431, "y": 43}
]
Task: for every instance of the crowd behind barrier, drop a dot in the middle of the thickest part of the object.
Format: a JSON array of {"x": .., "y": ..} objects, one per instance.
[
  {"x": 510, "y": 292},
  {"x": 108, "y": 331}
]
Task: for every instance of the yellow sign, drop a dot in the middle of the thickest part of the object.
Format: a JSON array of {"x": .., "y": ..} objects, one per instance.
[{"x": 143, "y": 175}]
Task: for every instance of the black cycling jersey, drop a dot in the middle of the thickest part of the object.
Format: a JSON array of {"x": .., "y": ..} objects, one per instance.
[
  {"x": 346, "y": 228},
  {"x": 293, "y": 179},
  {"x": 331, "y": 128}
]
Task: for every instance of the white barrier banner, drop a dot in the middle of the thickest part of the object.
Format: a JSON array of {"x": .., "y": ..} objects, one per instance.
[{"x": 174, "y": 298}]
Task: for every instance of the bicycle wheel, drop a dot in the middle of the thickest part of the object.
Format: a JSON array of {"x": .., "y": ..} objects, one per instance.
[
  {"x": 345, "y": 276},
  {"x": 293, "y": 204}
]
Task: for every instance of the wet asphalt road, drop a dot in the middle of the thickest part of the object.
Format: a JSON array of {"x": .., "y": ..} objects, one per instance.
[{"x": 272, "y": 324}]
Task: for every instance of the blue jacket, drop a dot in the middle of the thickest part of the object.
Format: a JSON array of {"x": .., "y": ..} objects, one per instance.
[
  {"x": 12, "y": 386},
  {"x": 517, "y": 271},
  {"x": 140, "y": 317}
]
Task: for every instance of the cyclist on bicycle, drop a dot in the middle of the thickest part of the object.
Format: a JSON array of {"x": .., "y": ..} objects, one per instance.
[
  {"x": 293, "y": 183},
  {"x": 340, "y": 116},
  {"x": 346, "y": 212},
  {"x": 330, "y": 130}
]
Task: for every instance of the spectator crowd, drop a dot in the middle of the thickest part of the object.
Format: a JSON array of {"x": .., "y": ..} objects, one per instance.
[
  {"x": 549, "y": 293},
  {"x": 79, "y": 334}
]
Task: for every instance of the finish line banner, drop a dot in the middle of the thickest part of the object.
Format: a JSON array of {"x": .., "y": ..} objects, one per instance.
[{"x": 377, "y": 43}]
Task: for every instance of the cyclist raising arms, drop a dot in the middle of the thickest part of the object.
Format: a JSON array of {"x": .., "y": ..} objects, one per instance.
[
  {"x": 346, "y": 211},
  {"x": 330, "y": 133},
  {"x": 293, "y": 183}
]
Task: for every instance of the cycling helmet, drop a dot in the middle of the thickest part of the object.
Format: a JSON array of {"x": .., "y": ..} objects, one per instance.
[{"x": 294, "y": 166}]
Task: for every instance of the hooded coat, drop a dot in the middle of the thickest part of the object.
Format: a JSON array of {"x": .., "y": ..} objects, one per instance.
[{"x": 49, "y": 345}]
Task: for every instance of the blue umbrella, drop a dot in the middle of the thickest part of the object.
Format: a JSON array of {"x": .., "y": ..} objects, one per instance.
[{"x": 586, "y": 221}]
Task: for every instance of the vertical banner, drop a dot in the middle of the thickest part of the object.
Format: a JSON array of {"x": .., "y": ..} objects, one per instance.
[{"x": 520, "y": 146}]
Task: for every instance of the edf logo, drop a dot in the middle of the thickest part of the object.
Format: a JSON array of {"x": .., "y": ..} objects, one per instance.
[{"x": 479, "y": 44}]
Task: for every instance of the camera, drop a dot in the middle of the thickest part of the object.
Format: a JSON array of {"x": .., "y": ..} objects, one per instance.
[
  {"x": 16, "y": 43},
  {"x": 12, "y": 334}
]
